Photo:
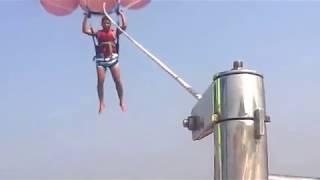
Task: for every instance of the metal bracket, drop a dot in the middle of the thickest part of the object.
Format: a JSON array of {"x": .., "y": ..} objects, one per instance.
[
  {"x": 192, "y": 123},
  {"x": 259, "y": 120}
]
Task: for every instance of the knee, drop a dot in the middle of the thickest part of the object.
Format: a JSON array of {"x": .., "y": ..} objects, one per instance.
[
  {"x": 100, "y": 84},
  {"x": 117, "y": 82}
]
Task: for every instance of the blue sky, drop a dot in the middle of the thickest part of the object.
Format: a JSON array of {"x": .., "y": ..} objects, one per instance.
[{"x": 48, "y": 109}]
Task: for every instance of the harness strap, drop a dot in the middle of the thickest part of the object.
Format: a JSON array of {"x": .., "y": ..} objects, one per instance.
[
  {"x": 118, "y": 31},
  {"x": 107, "y": 43},
  {"x": 96, "y": 46},
  {"x": 111, "y": 59},
  {"x": 110, "y": 46}
]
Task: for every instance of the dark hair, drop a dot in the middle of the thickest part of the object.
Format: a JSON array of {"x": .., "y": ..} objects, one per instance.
[{"x": 105, "y": 18}]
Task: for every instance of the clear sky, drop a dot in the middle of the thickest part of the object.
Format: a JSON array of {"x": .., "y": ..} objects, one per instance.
[{"x": 50, "y": 127}]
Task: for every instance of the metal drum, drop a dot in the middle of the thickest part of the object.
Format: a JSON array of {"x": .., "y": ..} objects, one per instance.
[{"x": 239, "y": 125}]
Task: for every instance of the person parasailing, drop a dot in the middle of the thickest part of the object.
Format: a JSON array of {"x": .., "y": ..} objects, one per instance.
[{"x": 106, "y": 55}]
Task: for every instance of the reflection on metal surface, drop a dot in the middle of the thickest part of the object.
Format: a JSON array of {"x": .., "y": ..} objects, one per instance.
[
  {"x": 238, "y": 93},
  {"x": 239, "y": 129},
  {"x": 238, "y": 155}
]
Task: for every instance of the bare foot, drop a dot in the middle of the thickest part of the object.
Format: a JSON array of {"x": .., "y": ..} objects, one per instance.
[
  {"x": 123, "y": 107},
  {"x": 102, "y": 107}
]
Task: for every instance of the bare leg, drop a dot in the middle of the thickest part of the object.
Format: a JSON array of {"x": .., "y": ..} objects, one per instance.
[
  {"x": 115, "y": 71},
  {"x": 101, "y": 73}
]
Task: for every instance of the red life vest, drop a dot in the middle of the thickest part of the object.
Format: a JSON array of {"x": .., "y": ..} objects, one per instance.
[{"x": 105, "y": 37}]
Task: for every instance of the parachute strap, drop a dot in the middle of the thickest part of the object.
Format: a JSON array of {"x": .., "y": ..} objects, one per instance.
[
  {"x": 117, "y": 9},
  {"x": 93, "y": 36},
  {"x": 109, "y": 59},
  {"x": 96, "y": 46}
]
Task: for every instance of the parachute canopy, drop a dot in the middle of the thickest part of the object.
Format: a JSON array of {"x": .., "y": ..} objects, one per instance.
[
  {"x": 134, "y": 4},
  {"x": 97, "y": 5},
  {"x": 59, "y": 7},
  {"x": 66, "y": 7}
]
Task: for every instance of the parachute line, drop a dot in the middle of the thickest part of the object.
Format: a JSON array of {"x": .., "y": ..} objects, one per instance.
[
  {"x": 132, "y": 4},
  {"x": 155, "y": 59}
]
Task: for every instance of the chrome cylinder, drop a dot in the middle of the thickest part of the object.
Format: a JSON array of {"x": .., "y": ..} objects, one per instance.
[{"x": 239, "y": 125}]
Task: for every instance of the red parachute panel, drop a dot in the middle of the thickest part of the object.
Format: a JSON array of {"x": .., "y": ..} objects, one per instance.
[
  {"x": 59, "y": 7},
  {"x": 134, "y": 4},
  {"x": 97, "y": 5}
]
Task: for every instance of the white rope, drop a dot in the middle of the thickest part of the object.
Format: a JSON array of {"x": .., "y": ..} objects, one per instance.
[{"x": 155, "y": 59}]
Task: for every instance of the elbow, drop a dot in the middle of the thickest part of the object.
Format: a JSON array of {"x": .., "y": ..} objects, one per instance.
[
  {"x": 85, "y": 31},
  {"x": 124, "y": 27}
]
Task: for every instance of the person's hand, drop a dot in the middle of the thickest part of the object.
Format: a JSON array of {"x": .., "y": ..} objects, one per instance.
[
  {"x": 87, "y": 14},
  {"x": 119, "y": 11}
]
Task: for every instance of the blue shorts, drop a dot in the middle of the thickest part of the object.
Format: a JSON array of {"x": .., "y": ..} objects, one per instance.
[{"x": 107, "y": 62}]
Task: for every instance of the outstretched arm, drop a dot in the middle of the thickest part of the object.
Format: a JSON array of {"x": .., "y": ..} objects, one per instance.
[
  {"x": 86, "y": 28},
  {"x": 124, "y": 23}
]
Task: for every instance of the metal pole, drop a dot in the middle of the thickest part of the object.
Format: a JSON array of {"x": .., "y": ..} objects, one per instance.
[{"x": 240, "y": 138}]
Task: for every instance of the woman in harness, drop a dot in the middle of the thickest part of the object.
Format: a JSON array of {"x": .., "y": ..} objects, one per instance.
[{"x": 106, "y": 56}]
